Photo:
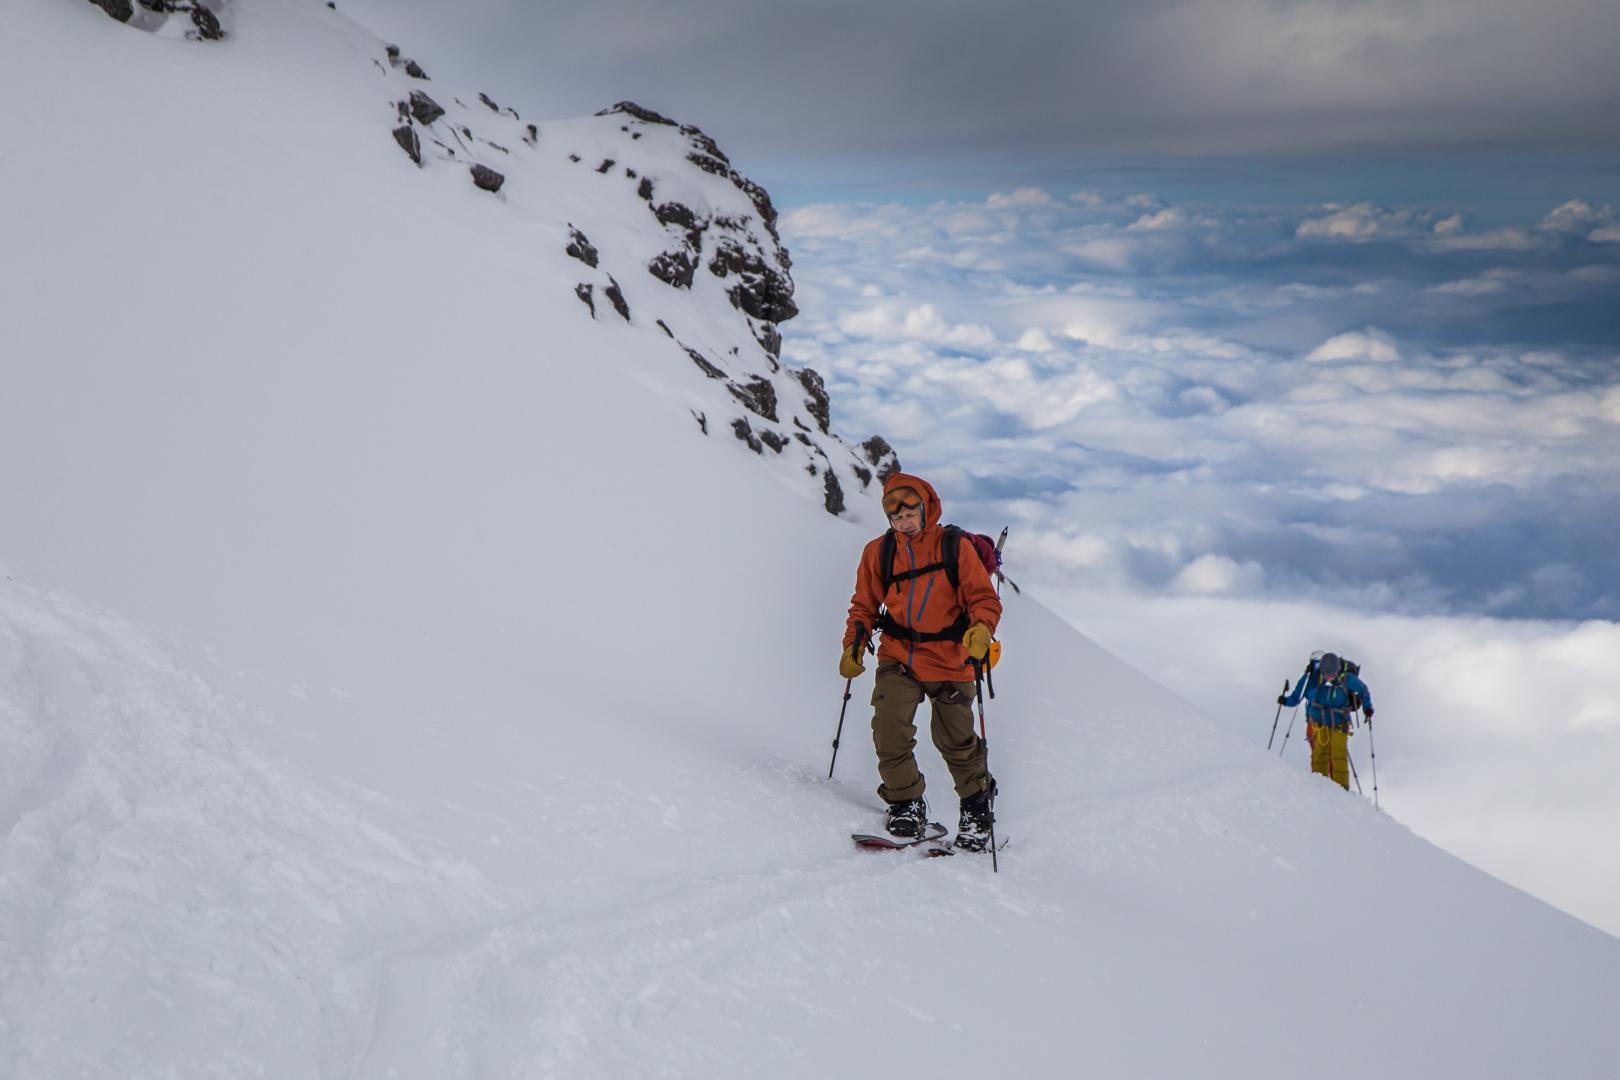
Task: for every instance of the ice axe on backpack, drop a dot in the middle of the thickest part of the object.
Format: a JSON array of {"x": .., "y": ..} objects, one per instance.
[
  {"x": 857, "y": 648},
  {"x": 1001, "y": 542}
]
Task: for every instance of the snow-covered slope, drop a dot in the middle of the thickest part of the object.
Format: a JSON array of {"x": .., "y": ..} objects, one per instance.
[{"x": 474, "y": 716}]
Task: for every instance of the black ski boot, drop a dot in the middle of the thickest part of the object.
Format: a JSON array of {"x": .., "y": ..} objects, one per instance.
[
  {"x": 907, "y": 818},
  {"x": 973, "y": 827}
]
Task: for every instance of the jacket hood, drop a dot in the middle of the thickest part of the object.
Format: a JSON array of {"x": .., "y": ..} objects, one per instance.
[{"x": 931, "y": 507}]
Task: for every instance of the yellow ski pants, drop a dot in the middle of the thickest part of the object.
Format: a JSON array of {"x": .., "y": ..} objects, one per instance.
[{"x": 1330, "y": 754}]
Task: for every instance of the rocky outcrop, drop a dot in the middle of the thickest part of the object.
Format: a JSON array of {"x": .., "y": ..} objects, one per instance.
[
  {"x": 205, "y": 24},
  {"x": 760, "y": 290},
  {"x": 118, "y": 9},
  {"x": 711, "y": 240},
  {"x": 704, "y": 366},
  {"x": 758, "y": 395},
  {"x": 411, "y": 67},
  {"x": 676, "y": 268},
  {"x": 769, "y": 338},
  {"x": 740, "y": 428},
  {"x": 408, "y": 142},
  {"x": 423, "y": 109},
  {"x": 581, "y": 248},
  {"x": 882, "y": 456},
  {"x": 630, "y": 108},
  {"x": 818, "y": 404},
  {"x": 833, "y": 493},
  {"x": 616, "y": 298}
]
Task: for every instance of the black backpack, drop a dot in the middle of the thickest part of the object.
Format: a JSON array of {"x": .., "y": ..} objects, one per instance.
[
  {"x": 949, "y": 552},
  {"x": 950, "y": 546},
  {"x": 1347, "y": 666}
]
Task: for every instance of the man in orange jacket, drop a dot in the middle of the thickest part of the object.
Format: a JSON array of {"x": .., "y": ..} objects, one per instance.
[{"x": 930, "y": 630}]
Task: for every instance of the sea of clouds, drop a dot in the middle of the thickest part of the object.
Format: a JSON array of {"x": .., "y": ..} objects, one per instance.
[{"x": 1226, "y": 435}]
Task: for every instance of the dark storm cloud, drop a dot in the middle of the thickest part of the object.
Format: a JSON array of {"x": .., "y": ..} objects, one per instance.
[{"x": 1058, "y": 81}]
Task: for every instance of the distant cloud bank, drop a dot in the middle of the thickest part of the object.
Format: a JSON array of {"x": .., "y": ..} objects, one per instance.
[{"x": 1264, "y": 403}]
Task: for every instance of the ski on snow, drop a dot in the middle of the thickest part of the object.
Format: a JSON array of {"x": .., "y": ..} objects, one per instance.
[{"x": 934, "y": 831}]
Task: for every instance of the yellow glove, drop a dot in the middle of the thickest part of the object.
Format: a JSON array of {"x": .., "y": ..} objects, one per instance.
[
  {"x": 977, "y": 640},
  {"x": 849, "y": 665}
]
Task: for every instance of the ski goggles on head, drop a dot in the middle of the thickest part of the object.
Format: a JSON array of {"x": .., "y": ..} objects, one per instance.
[{"x": 895, "y": 507}]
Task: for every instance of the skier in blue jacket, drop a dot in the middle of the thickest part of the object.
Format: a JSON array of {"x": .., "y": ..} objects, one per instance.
[{"x": 1327, "y": 689}]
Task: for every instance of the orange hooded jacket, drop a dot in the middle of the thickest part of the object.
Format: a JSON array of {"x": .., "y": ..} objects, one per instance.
[{"x": 925, "y": 603}]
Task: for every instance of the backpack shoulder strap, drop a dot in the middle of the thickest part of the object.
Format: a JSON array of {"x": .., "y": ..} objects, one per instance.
[
  {"x": 886, "y": 561},
  {"x": 949, "y": 550}
]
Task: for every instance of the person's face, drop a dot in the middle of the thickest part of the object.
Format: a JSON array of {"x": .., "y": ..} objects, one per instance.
[{"x": 904, "y": 507}]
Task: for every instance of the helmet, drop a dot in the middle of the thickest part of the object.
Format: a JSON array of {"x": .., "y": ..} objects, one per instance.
[{"x": 1330, "y": 666}]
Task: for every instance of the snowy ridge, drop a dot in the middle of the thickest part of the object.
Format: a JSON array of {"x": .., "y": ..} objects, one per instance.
[
  {"x": 666, "y": 203},
  {"x": 487, "y": 734}
]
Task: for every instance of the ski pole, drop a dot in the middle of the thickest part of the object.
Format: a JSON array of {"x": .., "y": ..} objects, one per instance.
[
  {"x": 1373, "y": 748},
  {"x": 978, "y": 690},
  {"x": 1287, "y": 733},
  {"x": 1354, "y": 775},
  {"x": 856, "y": 648},
  {"x": 1274, "y": 719}
]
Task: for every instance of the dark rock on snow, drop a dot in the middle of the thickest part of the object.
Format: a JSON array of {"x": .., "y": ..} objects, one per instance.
[
  {"x": 207, "y": 23},
  {"x": 834, "y": 500},
  {"x": 758, "y": 395},
  {"x": 769, "y": 338},
  {"x": 630, "y": 108},
  {"x": 881, "y": 455},
  {"x": 818, "y": 405},
  {"x": 405, "y": 135},
  {"x": 616, "y": 298},
  {"x": 676, "y": 268},
  {"x": 487, "y": 178},
  {"x": 760, "y": 290},
  {"x": 580, "y": 248},
  {"x": 703, "y": 364},
  {"x": 121, "y": 10},
  {"x": 424, "y": 108},
  {"x": 741, "y": 429}
]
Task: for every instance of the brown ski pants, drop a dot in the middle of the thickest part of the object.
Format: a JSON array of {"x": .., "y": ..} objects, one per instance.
[{"x": 895, "y": 699}]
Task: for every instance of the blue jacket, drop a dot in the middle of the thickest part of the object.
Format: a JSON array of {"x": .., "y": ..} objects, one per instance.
[{"x": 1330, "y": 703}]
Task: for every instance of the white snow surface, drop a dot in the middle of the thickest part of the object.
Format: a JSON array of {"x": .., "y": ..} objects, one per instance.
[{"x": 468, "y": 712}]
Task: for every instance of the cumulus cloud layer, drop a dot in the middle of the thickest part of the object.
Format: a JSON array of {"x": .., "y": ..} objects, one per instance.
[{"x": 1348, "y": 400}]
